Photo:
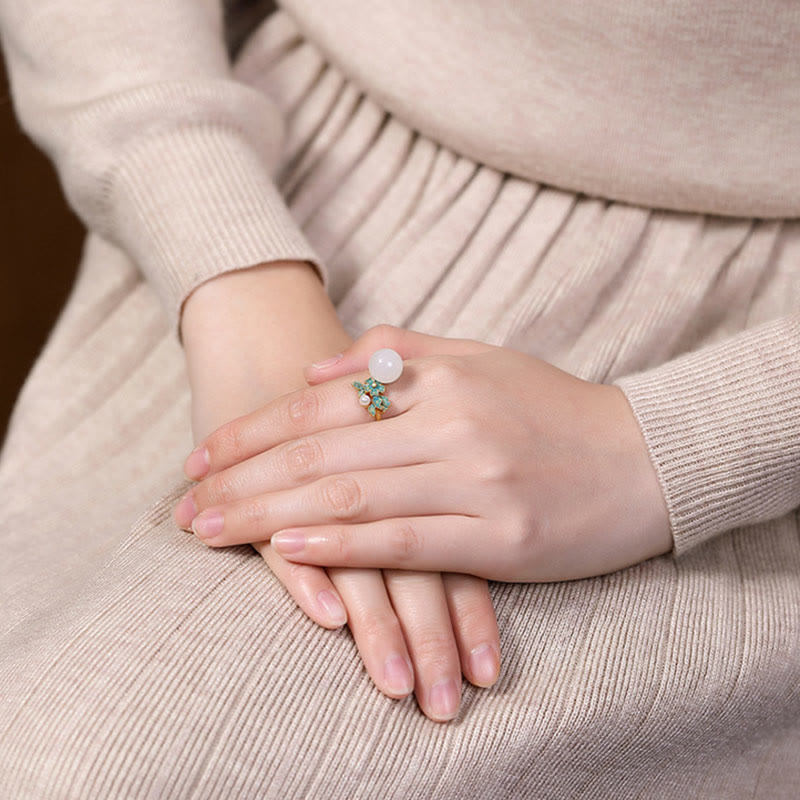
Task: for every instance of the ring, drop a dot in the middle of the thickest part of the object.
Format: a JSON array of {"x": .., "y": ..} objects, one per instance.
[{"x": 385, "y": 366}]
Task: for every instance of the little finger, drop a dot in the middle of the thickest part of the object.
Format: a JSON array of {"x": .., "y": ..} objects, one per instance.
[
  {"x": 353, "y": 497},
  {"x": 435, "y": 542}
]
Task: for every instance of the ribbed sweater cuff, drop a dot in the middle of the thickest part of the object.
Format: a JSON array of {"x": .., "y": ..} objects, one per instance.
[
  {"x": 191, "y": 203},
  {"x": 722, "y": 425}
]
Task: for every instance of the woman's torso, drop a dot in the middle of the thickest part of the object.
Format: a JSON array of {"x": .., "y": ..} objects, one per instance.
[{"x": 677, "y": 104}]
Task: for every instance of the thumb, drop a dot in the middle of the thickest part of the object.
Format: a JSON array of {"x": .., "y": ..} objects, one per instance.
[{"x": 408, "y": 343}]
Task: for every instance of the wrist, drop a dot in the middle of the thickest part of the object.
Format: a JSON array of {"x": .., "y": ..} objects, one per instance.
[
  {"x": 258, "y": 327},
  {"x": 237, "y": 295},
  {"x": 647, "y": 503}
]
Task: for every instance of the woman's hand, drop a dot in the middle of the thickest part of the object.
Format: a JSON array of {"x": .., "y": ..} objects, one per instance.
[
  {"x": 489, "y": 462},
  {"x": 246, "y": 335}
]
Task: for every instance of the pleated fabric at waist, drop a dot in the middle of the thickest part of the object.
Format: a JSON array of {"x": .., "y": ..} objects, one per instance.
[{"x": 681, "y": 105}]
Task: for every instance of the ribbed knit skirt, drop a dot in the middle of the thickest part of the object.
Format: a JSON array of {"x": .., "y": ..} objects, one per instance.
[{"x": 137, "y": 663}]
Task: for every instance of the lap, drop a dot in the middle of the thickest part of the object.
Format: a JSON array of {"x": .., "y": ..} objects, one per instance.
[
  {"x": 97, "y": 433},
  {"x": 179, "y": 671}
]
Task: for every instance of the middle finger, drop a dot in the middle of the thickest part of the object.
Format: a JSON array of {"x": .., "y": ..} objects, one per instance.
[{"x": 391, "y": 443}]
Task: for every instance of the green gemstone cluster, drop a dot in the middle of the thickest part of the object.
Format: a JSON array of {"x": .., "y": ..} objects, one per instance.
[{"x": 375, "y": 391}]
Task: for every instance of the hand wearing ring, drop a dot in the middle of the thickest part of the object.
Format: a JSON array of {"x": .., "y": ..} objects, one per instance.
[{"x": 535, "y": 475}]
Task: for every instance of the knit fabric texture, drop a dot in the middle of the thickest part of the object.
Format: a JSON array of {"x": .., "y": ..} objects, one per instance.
[{"x": 137, "y": 663}]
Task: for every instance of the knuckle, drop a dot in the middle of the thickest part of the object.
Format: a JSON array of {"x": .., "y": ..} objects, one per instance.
[
  {"x": 473, "y": 618},
  {"x": 444, "y": 371},
  {"x": 341, "y": 541},
  {"x": 253, "y": 516},
  {"x": 459, "y": 426},
  {"x": 523, "y": 534},
  {"x": 381, "y": 333},
  {"x": 434, "y": 645},
  {"x": 220, "y": 489},
  {"x": 303, "y": 460},
  {"x": 228, "y": 444},
  {"x": 476, "y": 614},
  {"x": 379, "y": 625},
  {"x": 303, "y": 410},
  {"x": 404, "y": 541},
  {"x": 294, "y": 575},
  {"x": 344, "y": 497},
  {"x": 492, "y": 468}
]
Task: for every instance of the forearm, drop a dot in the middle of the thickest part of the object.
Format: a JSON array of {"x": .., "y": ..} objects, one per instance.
[
  {"x": 248, "y": 333},
  {"x": 160, "y": 149}
]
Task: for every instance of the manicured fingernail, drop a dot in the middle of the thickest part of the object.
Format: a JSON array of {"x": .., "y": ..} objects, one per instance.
[
  {"x": 328, "y": 362},
  {"x": 207, "y": 524},
  {"x": 444, "y": 699},
  {"x": 398, "y": 674},
  {"x": 332, "y": 607},
  {"x": 197, "y": 464},
  {"x": 186, "y": 510},
  {"x": 288, "y": 541},
  {"x": 484, "y": 663}
]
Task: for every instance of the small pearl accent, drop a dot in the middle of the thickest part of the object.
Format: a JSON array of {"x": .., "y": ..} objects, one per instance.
[
  {"x": 364, "y": 399},
  {"x": 386, "y": 365}
]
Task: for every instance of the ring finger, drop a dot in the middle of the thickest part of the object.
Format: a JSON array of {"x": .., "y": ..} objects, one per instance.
[
  {"x": 362, "y": 496},
  {"x": 420, "y": 603}
]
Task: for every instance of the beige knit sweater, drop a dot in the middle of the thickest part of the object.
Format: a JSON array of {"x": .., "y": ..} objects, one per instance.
[{"x": 170, "y": 157}]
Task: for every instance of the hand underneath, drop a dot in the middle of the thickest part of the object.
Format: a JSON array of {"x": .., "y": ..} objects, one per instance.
[
  {"x": 489, "y": 462},
  {"x": 413, "y": 630}
]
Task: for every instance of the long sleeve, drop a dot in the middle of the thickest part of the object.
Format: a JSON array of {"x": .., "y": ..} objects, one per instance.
[
  {"x": 159, "y": 150},
  {"x": 722, "y": 425}
]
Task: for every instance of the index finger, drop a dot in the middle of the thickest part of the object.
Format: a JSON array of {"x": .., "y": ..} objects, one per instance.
[{"x": 293, "y": 415}]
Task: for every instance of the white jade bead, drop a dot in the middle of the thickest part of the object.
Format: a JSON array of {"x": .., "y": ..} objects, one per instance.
[{"x": 385, "y": 365}]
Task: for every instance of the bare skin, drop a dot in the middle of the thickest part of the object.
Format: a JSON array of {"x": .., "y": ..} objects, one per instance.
[
  {"x": 247, "y": 334},
  {"x": 490, "y": 462}
]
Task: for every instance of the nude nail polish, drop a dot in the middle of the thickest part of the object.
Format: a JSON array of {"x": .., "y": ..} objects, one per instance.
[
  {"x": 197, "y": 464},
  {"x": 444, "y": 699}
]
